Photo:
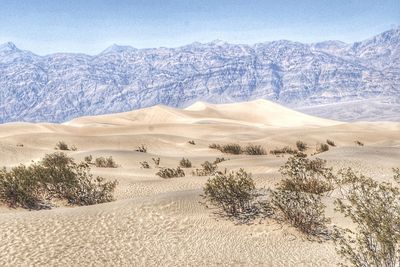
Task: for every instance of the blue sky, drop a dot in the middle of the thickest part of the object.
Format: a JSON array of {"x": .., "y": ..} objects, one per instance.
[{"x": 89, "y": 26}]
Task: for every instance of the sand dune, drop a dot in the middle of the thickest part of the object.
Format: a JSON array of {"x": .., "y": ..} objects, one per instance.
[{"x": 157, "y": 222}]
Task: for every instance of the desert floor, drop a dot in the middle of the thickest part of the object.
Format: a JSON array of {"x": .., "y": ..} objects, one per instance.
[{"x": 160, "y": 222}]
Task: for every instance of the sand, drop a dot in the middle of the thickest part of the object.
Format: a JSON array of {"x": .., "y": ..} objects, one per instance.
[{"x": 158, "y": 222}]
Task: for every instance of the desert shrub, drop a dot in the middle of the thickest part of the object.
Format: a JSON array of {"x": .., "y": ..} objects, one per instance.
[
  {"x": 20, "y": 145},
  {"x": 145, "y": 164},
  {"x": 305, "y": 175},
  {"x": 215, "y": 146},
  {"x": 61, "y": 145},
  {"x": 88, "y": 159},
  {"x": 330, "y": 142},
  {"x": 170, "y": 172},
  {"x": 255, "y": 150},
  {"x": 232, "y": 149},
  {"x": 56, "y": 176},
  {"x": 374, "y": 208},
  {"x": 102, "y": 162},
  {"x": 218, "y": 160},
  {"x": 322, "y": 148},
  {"x": 301, "y": 146},
  {"x": 207, "y": 168},
  {"x": 185, "y": 163},
  {"x": 283, "y": 150},
  {"x": 192, "y": 142},
  {"x": 359, "y": 143},
  {"x": 141, "y": 148},
  {"x": 302, "y": 210},
  {"x": 156, "y": 162},
  {"x": 233, "y": 194},
  {"x": 74, "y": 148}
]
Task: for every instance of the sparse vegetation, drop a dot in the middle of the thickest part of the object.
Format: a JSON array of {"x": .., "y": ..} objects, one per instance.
[
  {"x": 20, "y": 145},
  {"x": 322, "y": 148},
  {"x": 145, "y": 164},
  {"x": 207, "y": 169},
  {"x": 255, "y": 150},
  {"x": 192, "y": 142},
  {"x": 330, "y": 142},
  {"x": 215, "y": 146},
  {"x": 301, "y": 146},
  {"x": 228, "y": 148},
  {"x": 156, "y": 162},
  {"x": 55, "y": 177},
  {"x": 142, "y": 149},
  {"x": 88, "y": 159},
  {"x": 374, "y": 207},
  {"x": 219, "y": 160},
  {"x": 170, "y": 172},
  {"x": 283, "y": 150},
  {"x": 185, "y": 163},
  {"x": 61, "y": 145},
  {"x": 359, "y": 143},
  {"x": 102, "y": 162}
]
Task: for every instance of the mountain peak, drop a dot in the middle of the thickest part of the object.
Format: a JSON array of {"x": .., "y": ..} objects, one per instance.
[
  {"x": 118, "y": 49},
  {"x": 9, "y": 46}
]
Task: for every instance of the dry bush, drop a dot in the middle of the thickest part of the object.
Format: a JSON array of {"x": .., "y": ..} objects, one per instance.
[
  {"x": 192, "y": 142},
  {"x": 359, "y": 143},
  {"x": 56, "y": 176},
  {"x": 305, "y": 175},
  {"x": 283, "y": 150},
  {"x": 207, "y": 168},
  {"x": 20, "y": 145},
  {"x": 255, "y": 150},
  {"x": 374, "y": 208},
  {"x": 231, "y": 149},
  {"x": 330, "y": 142},
  {"x": 88, "y": 159},
  {"x": 170, "y": 172},
  {"x": 234, "y": 195},
  {"x": 74, "y": 148},
  {"x": 322, "y": 148},
  {"x": 145, "y": 164},
  {"x": 219, "y": 160},
  {"x": 61, "y": 145},
  {"x": 102, "y": 162},
  {"x": 185, "y": 163},
  {"x": 302, "y": 210},
  {"x": 156, "y": 162},
  {"x": 142, "y": 149},
  {"x": 301, "y": 146},
  {"x": 214, "y": 146}
]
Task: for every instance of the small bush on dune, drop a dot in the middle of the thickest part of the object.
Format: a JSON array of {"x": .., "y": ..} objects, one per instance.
[
  {"x": 215, "y": 146},
  {"x": 185, "y": 163},
  {"x": 322, "y": 148},
  {"x": 145, "y": 165},
  {"x": 232, "y": 149},
  {"x": 88, "y": 159},
  {"x": 207, "y": 169},
  {"x": 359, "y": 143},
  {"x": 301, "y": 146},
  {"x": 255, "y": 150},
  {"x": 330, "y": 142},
  {"x": 102, "y": 162},
  {"x": 170, "y": 172},
  {"x": 218, "y": 160},
  {"x": 192, "y": 142},
  {"x": 374, "y": 207},
  {"x": 142, "y": 149},
  {"x": 156, "y": 162},
  {"x": 61, "y": 145},
  {"x": 283, "y": 150}
]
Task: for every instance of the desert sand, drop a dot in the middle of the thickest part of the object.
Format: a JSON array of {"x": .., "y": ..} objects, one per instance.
[{"x": 159, "y": 222}]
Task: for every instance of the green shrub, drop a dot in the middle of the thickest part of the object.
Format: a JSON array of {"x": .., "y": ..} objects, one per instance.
[
  {"x": 302, "y": 210},
  {"x": 301, "y": 146},
  {"x": 330, "y": 142},
  {"x": 170, "y": 172},
  {"x": 305, "y": 175},
  {"x": 56, "y": 176},
  {"x": 207, "y": 168},
  {"x": 185, "y": 163},
  {"x": 102, "y": 162},
  {"x": 142, "y": 149},
  {"x": 145, "y": 165},
  {"x": 61, "y": 145},
  {"x": 322, "y": 148},
  {"x": 233, "y": 194},
  {"x": 255, "y": 150},
  {"x": 374, "y": 208}
]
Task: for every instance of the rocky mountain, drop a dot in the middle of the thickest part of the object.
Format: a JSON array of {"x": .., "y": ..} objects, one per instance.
[{"x": 307, "y": 77}]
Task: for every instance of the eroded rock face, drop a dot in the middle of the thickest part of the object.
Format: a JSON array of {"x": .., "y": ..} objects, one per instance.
[{"x": 59, "y": 87}]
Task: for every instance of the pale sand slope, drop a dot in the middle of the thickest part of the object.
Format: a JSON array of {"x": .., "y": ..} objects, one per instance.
[{"x": 158, "y": 222}]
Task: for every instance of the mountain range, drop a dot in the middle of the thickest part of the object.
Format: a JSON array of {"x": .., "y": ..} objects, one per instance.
[{"x": 332, "y": 79}]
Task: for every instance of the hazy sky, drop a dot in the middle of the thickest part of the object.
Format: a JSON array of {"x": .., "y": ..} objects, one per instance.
[{"x": 89, "y": 26}]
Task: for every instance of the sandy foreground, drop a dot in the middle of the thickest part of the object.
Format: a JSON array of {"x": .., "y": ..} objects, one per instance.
[{"x": 159, "y": 222}]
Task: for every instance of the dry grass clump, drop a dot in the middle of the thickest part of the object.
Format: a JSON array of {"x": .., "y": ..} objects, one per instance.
[
  {"x": 145, "y": 164},
  {"x": 192, "y": 142},
  {"x": 142, "y": 149},
  {"x": 219, "y": 160},
  {"x": 374, "y": 208},
  {"x": 330, "y": 142},
  {"x": 61, "y": 145},
  {"x": 88, "y": 159},
  {"x": 55, "y": 177},
  {"x": 185, "y": 163},
  {"x": 228, "y": 148},
  {"x": 207, "y": 168},
  {"x": 283, "y": 150},
  {"x": 170, "y": 172},
  {"x": 214, "y": 146},
  {"x": 301, "y": 146},
  {"x": 359, "y": 143},
  {"x": 255, "y": 150},
  {"x": 102, "y": 162},
  {"x": 156, "y": 162},
  {"x": 322, "y": 148}
]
